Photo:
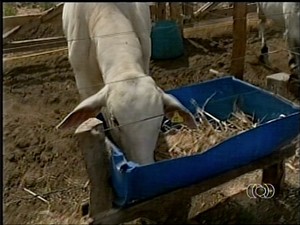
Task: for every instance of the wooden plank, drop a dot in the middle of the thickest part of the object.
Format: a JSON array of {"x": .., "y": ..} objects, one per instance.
[
  {"x": 51, "y": 13},
  {"x": 8, "y": 33},
  {"x": 35, "y": 44},
  {"x": 204, "y": 10},
  {"x": 175, "y": 11},
  {"x": 6, "y": 59},
  {"x": 161, "y": 11},
  {"x": 153, "y": 12},
  {"x": 275, "y": 175},
  {"x": 35, "y": 47},
  {"x": 97, "y": 160},
  {"x": 227, "y": 12},
  {"x": 12, "y": 22},
  {"x": 239, "y": 39},
  {"x": 33, "y": 41},
  {"x": 149, "y": 210},
  {"x": 187, "y": 9},
  {"x": 9, "y": 22},
  {"x": 219, "y": 27}
]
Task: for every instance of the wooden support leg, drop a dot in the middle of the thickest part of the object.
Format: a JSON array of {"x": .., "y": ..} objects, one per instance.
[
  {"x": 275, "y": 175},
  {"x": 96, "y": 156},
  {"x": 179, "y": 212}
]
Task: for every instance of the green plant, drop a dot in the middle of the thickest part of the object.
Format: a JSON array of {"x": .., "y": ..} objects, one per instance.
[
  {"x": 46, "y": 5},
  {"x": 9, "y": 10}
]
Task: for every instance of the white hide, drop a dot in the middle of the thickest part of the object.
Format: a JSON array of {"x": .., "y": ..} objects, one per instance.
[
  {"x": 111, "y": 41},
  {"x": 287, "y": 16}
]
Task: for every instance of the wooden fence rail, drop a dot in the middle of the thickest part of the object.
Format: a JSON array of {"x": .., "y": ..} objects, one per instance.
[
  {"x": 181, "y": 12},
  {"x": 33, "y": 45}
]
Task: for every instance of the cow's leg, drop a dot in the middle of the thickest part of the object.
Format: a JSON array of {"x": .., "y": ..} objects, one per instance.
[{"x": 264, "y": 51}]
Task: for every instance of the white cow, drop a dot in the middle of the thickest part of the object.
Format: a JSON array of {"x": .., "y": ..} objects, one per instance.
[
  {"x": 287, "y": 16},
  {"x": 113, "y": 39}
]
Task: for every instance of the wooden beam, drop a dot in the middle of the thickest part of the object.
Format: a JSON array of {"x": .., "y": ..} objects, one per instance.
[
  {"x": 187, "y": 9},
  {"x": 149, "y": 210},
  {"x": 219, "y": 27},
  {"x": 7, "y": 59},
  {"x": 9, "y": 22},
  {"x": 175, "y": 11},
  {"x": 34, "y": 41},
  {"x": 10, "y": 32},
  {"x": 204, "y": 10},
  {"x": 161, "y": 11},
  {"x": 97, "y": 160},
  {"x": 153, "y": 12},
  {"x": 222, "y": 13},
  {"x": 53, "y": 12},
  {"x": 34, "y": 44},
  {"x": 239, "y": 39},
  {"x": 275, "y": 175}
]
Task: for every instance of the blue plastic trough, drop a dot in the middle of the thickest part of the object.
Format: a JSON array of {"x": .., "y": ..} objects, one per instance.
[{"x": 133, "y": 182}]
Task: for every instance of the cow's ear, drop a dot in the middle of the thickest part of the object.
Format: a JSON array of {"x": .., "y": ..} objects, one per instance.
[
  {"x": 176, "y": 112},
  {"x": 88, "y": 108}
]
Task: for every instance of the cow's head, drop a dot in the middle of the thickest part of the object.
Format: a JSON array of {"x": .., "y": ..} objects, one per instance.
[{"x": 137, "y": 109}]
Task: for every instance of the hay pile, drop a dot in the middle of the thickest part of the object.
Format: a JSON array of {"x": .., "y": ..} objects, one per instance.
[{"x": 210, "y": 132}]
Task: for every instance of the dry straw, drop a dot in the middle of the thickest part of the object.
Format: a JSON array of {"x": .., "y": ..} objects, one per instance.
[{"x": 210, "y": 132}]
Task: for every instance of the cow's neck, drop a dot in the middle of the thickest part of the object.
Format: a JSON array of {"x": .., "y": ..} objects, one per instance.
[
  {"x": 121, "y": 69},
  {"x": 120, "y": 57},
  {"x": 119, "y": 76}
]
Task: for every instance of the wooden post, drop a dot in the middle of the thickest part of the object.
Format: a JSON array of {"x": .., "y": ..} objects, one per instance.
[
  {"x": 175, "y": 14},
  {"x": 274, "y": 175},
  {"x": 175, "y": 11},
  {"x": 153, "y": 12},
  {"x": 187, "y": 10},
  {"x": 239, "y": 39},
  {"x": 97, "y": 159},
  {"x": 205, "y": 9},
  {"x": 161, "y": 11}
]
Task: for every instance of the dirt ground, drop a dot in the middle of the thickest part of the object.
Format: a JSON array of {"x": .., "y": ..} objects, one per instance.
[{"x": 39, "y": 91}]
